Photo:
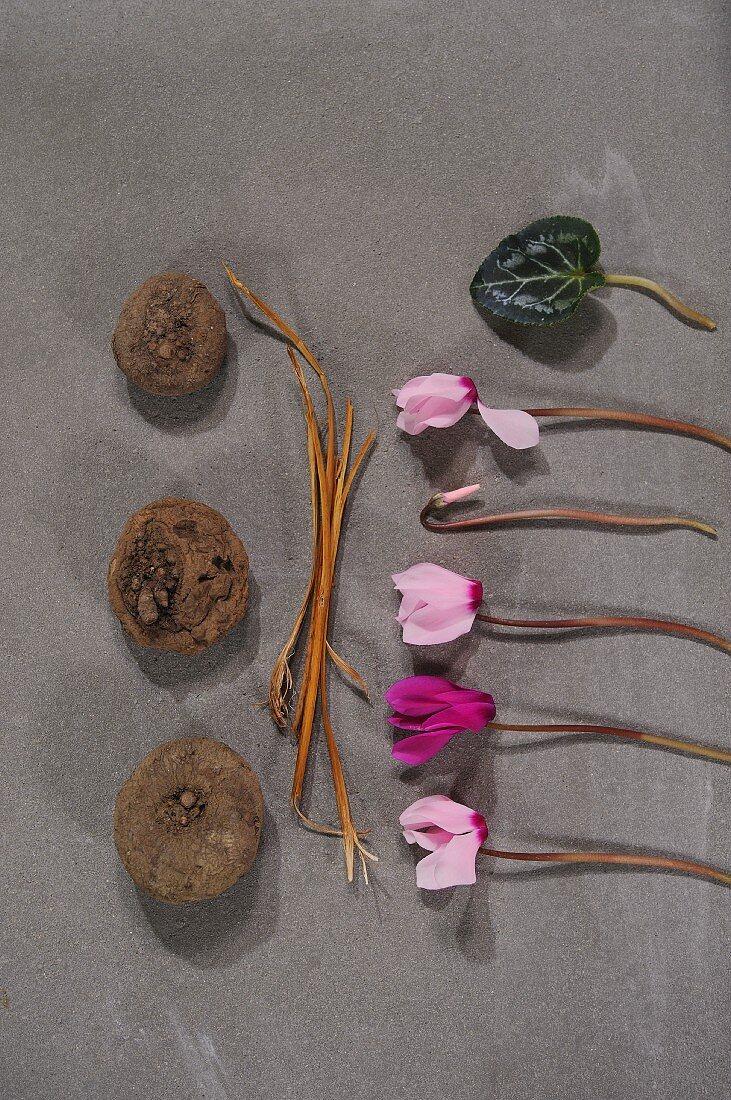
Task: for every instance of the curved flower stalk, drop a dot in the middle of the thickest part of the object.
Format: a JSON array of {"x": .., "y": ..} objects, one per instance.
[
  {"x": 435, "y": 506},
  {"x": 439, "y": 606},
  {"x": 454, "y": 835},
  {"x": 432, "y": 710},
  {"x": 441, "y": 400}
]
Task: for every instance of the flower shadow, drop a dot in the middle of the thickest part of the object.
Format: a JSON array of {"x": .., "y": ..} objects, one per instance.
[
  {"x": 450, "y": 660},
  {"x": 467, "y": 776},
  {"x": 448, "y": 455}
]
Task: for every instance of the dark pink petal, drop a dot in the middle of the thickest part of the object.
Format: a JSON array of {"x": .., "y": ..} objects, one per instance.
[
  {"x": 467, "y": 716},
  {"x": 458, "y": 695},
  {"x": 415, "y": 695},
  {"x": 430, "y": 723},
  {"x": 516, "y": 428},
  {"x": 421, "y": 746},
  {"x": 475, "y": 594},
  {"x": 480, "y": 827}
]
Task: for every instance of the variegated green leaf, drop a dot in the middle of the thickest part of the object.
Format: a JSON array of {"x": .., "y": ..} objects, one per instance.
[{"x": 539, "y": 276}]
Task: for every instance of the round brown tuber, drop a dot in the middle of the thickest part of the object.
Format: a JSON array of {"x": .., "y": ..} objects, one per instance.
[
  {"x": 188, "y": 820},
  {"x": 178, "y": 578},
  {"x": 170, "y": 338}
]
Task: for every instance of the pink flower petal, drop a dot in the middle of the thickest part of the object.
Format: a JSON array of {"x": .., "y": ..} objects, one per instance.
[
  {"x": 410, "y": 603},
  {"x": 434, "y": 401},
  {"x": 430, "y": 839},
  {"x": 421, "y": 746},
  {"x": 435, "y": 625},
  {"x": 431, "y": 412},
  {"x": 456, "y": 387},
  {"x": 455, "y": 694},
  {"x": 516, "y": 428},
  {"x": 440, "y": 587},
  {"x": 437, "y": 809},
  {"x": 450, "y": 865}
]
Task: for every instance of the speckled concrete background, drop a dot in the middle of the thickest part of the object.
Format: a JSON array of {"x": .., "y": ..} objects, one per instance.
[{"x": 354, "y": 162}]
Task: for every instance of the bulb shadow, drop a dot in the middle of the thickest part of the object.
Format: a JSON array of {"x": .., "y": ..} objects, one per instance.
[
  {"x": 575, "y": 345},
  {"x": 218, "y": 932},
  {"x": 194, "y": 412},
  {"x": 221, "y": 663}
]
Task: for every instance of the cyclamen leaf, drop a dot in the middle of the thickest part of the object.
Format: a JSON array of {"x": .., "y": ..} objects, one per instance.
[{"x": 539, "y": 275}]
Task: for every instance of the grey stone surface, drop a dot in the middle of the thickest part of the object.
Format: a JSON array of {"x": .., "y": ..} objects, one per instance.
[{"x": 354, "y": 162}]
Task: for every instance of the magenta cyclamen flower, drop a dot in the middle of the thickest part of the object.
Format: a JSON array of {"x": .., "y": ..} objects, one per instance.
[
  {"x": 435, "y": 710},
  {"x": 437, "y": 605},
  {"x": 440, "y": 400},
  {"x": 451, "y": 833},
  {"x": 434, "y": 401}
]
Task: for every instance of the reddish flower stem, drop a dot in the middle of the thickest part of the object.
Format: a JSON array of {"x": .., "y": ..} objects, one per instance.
[
  {"x": 616, "y": 731},
  {"x": 576, "y": 515},
  {"x": 660, "y": 423},
  {"x": 612, "y": 622},
  {"x": 628, "y": 860}
]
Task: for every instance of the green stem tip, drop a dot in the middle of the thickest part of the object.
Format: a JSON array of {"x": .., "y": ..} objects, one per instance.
[{"x": 637, "y": 282}]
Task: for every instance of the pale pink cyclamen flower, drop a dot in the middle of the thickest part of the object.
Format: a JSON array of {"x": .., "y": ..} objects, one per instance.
[
  {"x": 451, "y": 833},
  {"x": 438, "y": 605},
  {"x": 434, "y": 710},
  {"x": 434, "y": 401},
  {"x": 440, "y": 400}
]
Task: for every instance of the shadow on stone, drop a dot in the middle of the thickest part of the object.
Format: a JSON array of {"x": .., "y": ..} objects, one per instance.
[
  {"x": 220, "y": 663},
  {"x": 193, "y": 412}
]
